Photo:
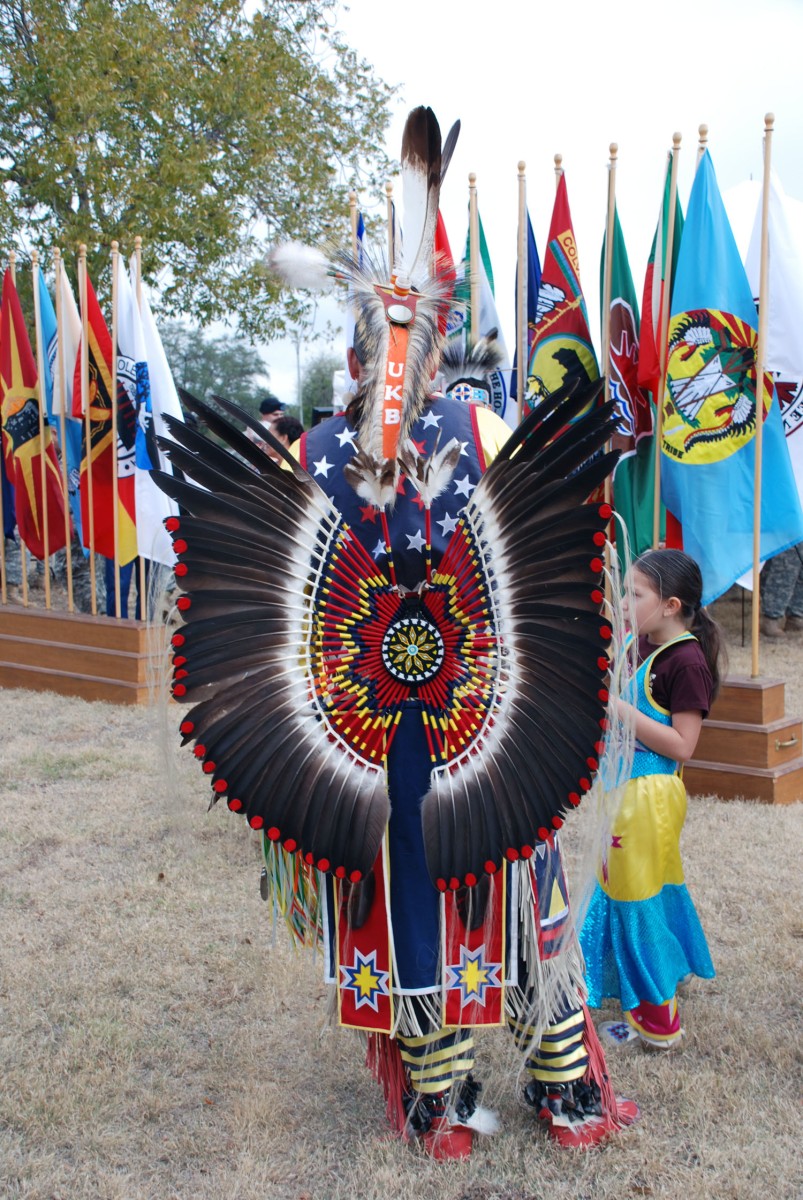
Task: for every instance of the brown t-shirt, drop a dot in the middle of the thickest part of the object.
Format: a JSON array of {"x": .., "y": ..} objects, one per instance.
[{"x": 680, "y": 678}]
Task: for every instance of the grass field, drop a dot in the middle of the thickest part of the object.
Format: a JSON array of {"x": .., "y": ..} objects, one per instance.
[{"x": 158, "y": 1039}]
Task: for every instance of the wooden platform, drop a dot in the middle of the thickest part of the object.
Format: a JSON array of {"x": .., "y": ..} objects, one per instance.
[
  {"x": 749, "y": 749},
  {"x": 96, "y": 658}
]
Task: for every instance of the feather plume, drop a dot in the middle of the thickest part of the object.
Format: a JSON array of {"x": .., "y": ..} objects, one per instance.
[
  {"x": 430, "y": 476},
  {"x": 373, "y": 479},
  {"x": 448, "y": 148},
  {"x": 301, "y": 266},
  {"x": 421, "y": 181}
]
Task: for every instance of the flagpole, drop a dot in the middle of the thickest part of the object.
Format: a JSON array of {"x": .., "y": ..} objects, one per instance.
[
  {"x": 12, "y": 266},
  {"x": 115, "y": 478},
  {"x": 761, "y": 353},
  {"x": 702, "y": 145},
  {"x": 58, "y": 267},
  {"x": 606, "y": 289},
  {"x": 82, "y": 292},
  {"x": 521, "y": 297},
  {"x": 666, "y": 301},
  {"x": 3, "y": 578},
  {"x": 40, "y": 370},
  {"x": 474, "y": 255},
  {"x": 391, "y": 247},
  {"x": 353, "y": 217},
  {"x": 558, "y": 169},
  {"x": 144, "y": 608}
]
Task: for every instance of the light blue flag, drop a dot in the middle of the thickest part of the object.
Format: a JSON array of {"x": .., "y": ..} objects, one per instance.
[
  {"x": 709, "y": 408},
  {"x": 73, "y": 428}
]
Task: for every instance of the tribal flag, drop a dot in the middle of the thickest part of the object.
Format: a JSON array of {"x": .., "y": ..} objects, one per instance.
[
  {"x": 459, "y": 323},
  {"x": 658, "y": 289},
  {"x": 710, "y": 406},
  {"x": 22, "y": 444},
  {"x": 561, "y": 352},
  {"x": 102, "y": 447},
  {"x": 142, "y": 365},
  {"x": 634, "y": 476},
  {"x": 533, "y": 286},
  {"x": 55, "y": 366},
  {"x": 162, "y": 399}
]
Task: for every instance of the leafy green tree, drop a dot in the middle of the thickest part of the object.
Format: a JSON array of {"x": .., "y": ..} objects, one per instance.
[
  {"x": 209, "y": 127},
  {"x": 226, "y": 366},
  {"x": 316, "y": 384}
]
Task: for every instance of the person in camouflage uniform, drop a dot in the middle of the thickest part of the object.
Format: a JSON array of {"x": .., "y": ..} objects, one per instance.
[{"x": 782, "y": 593}]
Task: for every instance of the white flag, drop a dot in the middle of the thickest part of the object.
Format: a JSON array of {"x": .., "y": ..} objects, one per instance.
[
  {"x": 785, "y": 318},
  {"x": 140, "y": 367},
  {"x": 70, "y": 336}
]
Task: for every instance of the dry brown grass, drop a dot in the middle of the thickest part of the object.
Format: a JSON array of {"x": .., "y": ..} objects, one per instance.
[{"x": 156, "y": 1043}]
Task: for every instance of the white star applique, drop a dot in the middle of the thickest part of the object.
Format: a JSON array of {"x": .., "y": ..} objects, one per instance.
[
  {"x": 379, "y": 549},
  {"x": 322, "y": 467},
  {"x": 464, "y": 486},
  {"x": 463, "y": 449},
  {"x": 415, "y": 541},
  {"x": 448, "y": 524},
  {"x": 346, "y": 437},
  {"x": 430, "y": 419}
]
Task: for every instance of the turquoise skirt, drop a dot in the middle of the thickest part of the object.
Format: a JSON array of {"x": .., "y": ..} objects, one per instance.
[{"x": 641, "y": 949}]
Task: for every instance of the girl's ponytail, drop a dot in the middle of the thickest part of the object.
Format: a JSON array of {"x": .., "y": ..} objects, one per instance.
[{"x": 712, "y": 644}]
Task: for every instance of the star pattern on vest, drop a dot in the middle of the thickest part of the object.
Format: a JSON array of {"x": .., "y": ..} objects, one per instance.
[
  {"x": 327, "y": 455},
  {"x": 464, "y": 486}
]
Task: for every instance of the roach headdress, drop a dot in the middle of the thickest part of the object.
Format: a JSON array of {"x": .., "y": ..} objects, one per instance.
[
  {"x": 466, "y": 370},
  {"x": 398, "y": 309}
]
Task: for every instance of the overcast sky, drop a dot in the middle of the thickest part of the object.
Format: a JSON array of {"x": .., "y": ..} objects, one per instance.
[{"x": 529, "y": 81}]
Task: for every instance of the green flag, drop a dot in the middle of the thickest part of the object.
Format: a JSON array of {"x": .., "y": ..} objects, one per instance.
[{"x": 633, "y": 480}]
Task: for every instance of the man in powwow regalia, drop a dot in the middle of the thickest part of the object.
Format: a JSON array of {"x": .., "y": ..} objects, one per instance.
[{"x": 396, "y": 660}]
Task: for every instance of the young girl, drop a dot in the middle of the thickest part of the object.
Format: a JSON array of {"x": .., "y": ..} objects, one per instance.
[{"x": 642, "y": 935}]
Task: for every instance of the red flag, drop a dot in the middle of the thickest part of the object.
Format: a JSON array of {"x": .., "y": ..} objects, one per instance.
[
  {"x": 22, "y": 445},
  {"x": 100, "y": 420},
  {"x": 444, "y": 265},
  {"x": 561, "y": 352}
]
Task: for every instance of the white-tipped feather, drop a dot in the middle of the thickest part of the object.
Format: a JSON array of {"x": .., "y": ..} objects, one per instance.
[
  {"x": 429, "y": 476},
  {"x": 301, "y": 266},
  {"x": 421, "y": 174},
  {"x": 373, "y": 479}
]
